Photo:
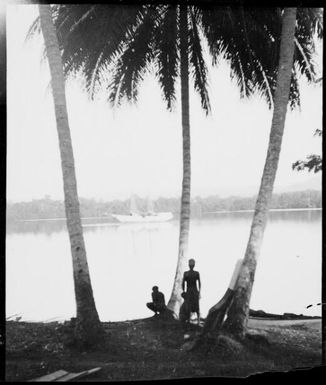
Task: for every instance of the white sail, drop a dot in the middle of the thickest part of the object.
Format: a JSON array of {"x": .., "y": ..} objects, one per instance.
[
  {"x": 150, "y": 207},
  {"x": 150, "y": 216},
  {"x": 133, "y": 205}
]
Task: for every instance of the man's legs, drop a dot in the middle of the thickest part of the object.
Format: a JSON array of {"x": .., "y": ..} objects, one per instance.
[
  {"x": 197, "y": 308},
  {"x": 152, "y": 307}
]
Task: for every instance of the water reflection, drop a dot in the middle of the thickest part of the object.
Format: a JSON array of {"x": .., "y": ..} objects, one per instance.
[
  {"x": 292, "y": 215},
  {"x": 35, "y": 227},
  {"x": 49, "y": 226},
  {"x": 298, "y": 216}
]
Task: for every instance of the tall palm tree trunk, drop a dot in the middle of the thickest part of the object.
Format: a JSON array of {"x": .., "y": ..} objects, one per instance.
[
  {"x": 175, "y": 300},
  {"x": 239, "y": 311},
  {"x": 88, "y": 325}
]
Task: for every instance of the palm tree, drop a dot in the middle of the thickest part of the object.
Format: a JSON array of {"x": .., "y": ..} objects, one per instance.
[
  {"x": 174, "y": 300},
  {"x": 166, "y": 39},
  {"x": 239, "y": 311},
  {"x": 88, "y": 327}
]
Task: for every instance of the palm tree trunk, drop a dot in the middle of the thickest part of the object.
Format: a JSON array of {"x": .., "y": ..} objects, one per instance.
[
  {"x": 88, "y": 325},
  {"x": 176, "y": 299},
  {"x": 239, "y": 311}
]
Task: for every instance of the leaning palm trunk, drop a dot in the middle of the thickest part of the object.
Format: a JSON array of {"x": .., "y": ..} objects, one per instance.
[
  {"x": 239, "y": 311},
  {"x": 175, "y": 300},
  {"x": 88, "y": 325}
]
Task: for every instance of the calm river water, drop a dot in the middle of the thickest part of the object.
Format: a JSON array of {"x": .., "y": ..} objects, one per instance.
[{"x": 125, "y": 261}]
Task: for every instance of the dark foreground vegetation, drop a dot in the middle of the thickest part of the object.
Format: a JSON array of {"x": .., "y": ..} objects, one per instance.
[{"x": 152, "y": 348}]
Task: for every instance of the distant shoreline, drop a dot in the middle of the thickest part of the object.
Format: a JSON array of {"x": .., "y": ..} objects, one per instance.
[
  {"x": 208, "y": 212},
  {"x": 58, "y": 219},
  {"x": 47, "y": 209},
  {"x": 252, "y": 210}
]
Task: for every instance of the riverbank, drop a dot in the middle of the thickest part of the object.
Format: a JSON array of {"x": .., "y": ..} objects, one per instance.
[{"x": 151, "y": 348}]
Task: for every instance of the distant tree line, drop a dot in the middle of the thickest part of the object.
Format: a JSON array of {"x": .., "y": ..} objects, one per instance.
[{"x": 49, "y": 208}]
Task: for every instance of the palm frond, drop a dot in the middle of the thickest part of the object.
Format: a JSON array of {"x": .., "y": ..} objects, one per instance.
[
  {"x": 308, "y": 68},
  {"x": 34, "y": 29},
  {"x": 295, "y": 100},
  {"x": 82, "y": 18},
  {"x": 84, "y": 49},
  {"x": 197, "y": 63},
  {"x": 166, "y": 52},
  {"x": 135, "y": 59},
  {"x": 250, "y": 40},
  {"x": 227, "y": 37},
  {"x": 127, "y": 39},
  {"x": 267, "y": 86}
]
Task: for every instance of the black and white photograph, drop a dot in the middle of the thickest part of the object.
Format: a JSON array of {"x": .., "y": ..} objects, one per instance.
[{"x": 163, "y": 209}]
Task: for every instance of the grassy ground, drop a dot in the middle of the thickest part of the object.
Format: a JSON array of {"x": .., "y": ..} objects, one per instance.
[{"x": 149, "y": 349}]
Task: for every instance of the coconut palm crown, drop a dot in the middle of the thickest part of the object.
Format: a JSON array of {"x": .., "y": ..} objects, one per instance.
[{"x": 140, "y": 38}]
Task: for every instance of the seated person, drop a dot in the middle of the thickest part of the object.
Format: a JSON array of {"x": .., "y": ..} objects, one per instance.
[{"x": 158, "y": 304}]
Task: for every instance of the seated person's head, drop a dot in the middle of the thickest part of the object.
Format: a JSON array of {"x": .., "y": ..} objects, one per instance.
[{"x": 155, "y": 289}]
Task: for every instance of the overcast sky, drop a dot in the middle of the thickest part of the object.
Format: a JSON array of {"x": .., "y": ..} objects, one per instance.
[{"x": 138, "y": 149}]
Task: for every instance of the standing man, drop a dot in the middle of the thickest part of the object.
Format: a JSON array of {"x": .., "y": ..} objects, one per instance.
[
  {"x": 158, "y": 304},
  {"x": 191, "y": 277}
]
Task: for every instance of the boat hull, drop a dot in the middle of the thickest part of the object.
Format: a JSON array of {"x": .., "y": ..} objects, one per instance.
[{"x": 136, "y": 218}]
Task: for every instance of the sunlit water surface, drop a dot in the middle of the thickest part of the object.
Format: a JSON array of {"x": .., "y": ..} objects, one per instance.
[{"x": 125, "y": 261}]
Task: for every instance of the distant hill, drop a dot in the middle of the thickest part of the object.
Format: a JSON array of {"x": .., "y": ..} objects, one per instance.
[{"x": 311, "y": 183}]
